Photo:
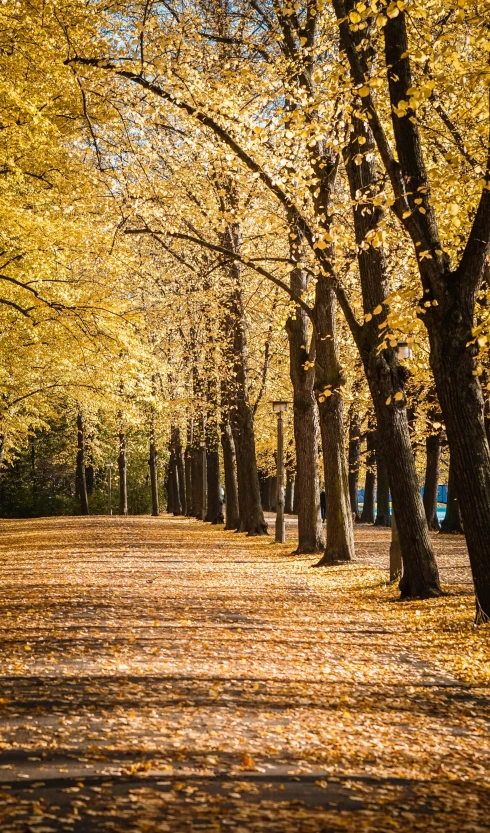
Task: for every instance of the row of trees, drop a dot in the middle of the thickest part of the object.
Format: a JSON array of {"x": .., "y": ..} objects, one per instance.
[{"x": 317, "y": 166}]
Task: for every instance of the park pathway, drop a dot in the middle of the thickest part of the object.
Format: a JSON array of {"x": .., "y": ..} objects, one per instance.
[{"x": 164, "y": 675}]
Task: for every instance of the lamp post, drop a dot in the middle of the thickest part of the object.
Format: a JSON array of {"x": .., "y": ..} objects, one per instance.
[
  {"x": 279, "y": 407},
  {"x": 109, "y": 496},
  {"x": 403, "y": 351},
  {"x": 204, "y": 509}
]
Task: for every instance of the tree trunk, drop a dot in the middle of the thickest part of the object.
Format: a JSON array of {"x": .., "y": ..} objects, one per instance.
[
  {"x": 241, "y": 413},
  {"x": 214, "y": 512},
  {"x": 264, "y": 490},
  {"x": 452, "y": 520},
  {"x": 305, "y": 415},
  {"x": 290, "y": 487},
  {"x": 449, "y": 314},
  {"x": 231, "y": 484},
  {"x": 174, "y": 474},
  {"x": 80, "y": 472},
  {"x": 462, "y": 407},
  {"x": 296, "y": 501},
  {"x": 367, "y": 515},
  {"x": 420, "y": 574},
  {"x": 179, "y": 471},
  {"x": 214, "y": 508},
  {"x": 328, "y": 383},
  {"x": 386, "y": 378},
  {"x": 354, "y": 460},
  {"x": 383, "y": 517},
  {"x": 197, "y": 482},
  {"x": 431, "y": 485},
  {"x": 189, "y": 491},
  {"x": 170, "y": 487},
  {"x": 155, "y": 511},
  {"x": 90, "y": 479},
  {"x": 123, "y": 470}
]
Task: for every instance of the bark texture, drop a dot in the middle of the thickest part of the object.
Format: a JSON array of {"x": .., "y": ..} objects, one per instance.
[
  {"x": 384, "y": 374},
  {"x": 153, "y": 462},
  {"x": 122, "y": 464},
  {"x": 241, "y": 412},
  {"x": 290, "y": 487},
  {"x": 452, "y": 521},
  {"x": 80, "y": 470},
  {"x": 354, "y": 459},
  {"x": 367, "y": 515},
  {"x": 197, "y": 481},
  {"x": 180, "y": 506},
  {"x": 214, "y": 512},
  {"x": 231, "y": 483},
  {"x": 189, "y": 491},
  {"x": 449, "y": 295},
  {"x": 431, "y": 484},
  {"x": 340, "y": 536},
  {"x": 305, "y": 415},
  {"x": 383, "y": 495}
]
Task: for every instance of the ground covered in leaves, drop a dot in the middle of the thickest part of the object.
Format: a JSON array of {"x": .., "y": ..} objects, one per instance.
[{"x": 163, "y": 675}]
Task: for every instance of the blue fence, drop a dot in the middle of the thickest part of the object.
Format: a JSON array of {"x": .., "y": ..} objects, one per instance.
[{"x": 441, "y": 494}]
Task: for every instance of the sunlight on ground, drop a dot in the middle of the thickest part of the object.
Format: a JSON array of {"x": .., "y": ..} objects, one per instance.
[{"x": 161, "y": 674}]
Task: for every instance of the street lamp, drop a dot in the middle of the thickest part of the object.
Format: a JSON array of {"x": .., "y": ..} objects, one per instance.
[
  {"x": 109, "y": 501},
  {"x": 279, "y": 406},
  {"x": 204, "y": 509}
]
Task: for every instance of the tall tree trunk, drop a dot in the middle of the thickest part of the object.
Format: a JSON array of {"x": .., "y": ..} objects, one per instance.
[
  {"x": 305, "y": 413},
  {"x": 241, "y": 413},
  {"x": 90, "y": 479},
  {"x": 384, "y": 374},
  {"x": 214, "y": 513},
  {"x": 170, "y": 486},
  {"x": 33, "y": 474},
  {"x": 431, "y": 485},
  {"x": 179, "y": 471},
  {"x": 3, "y": 439},
  {"x": 354, "y": 459},
  {"x": 328, "y": 383},
  {"x": 452, "y": 520},
  {"x": 174, "y": 475},
  {"x": 231, "y": 484},
  {"x": 383, "y": 517},
  {"x": 123, "y": 474},
  {"x": 155, "y": 510},
  {"x": 367, "y": 515},
  {"x": 197, "y": 481},
  {"x": 290, "y": 487},
  {"x": 462, "y": 406},
  {"x": 80, "y": 474},
  {"x": 189, "y": 491}
]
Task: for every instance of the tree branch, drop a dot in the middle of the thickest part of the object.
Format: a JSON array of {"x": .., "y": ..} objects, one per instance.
[{"x": 233, "y": 256}]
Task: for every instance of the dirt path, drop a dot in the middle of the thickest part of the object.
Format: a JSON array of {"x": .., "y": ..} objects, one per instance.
[{"x": 162, "y": 675}]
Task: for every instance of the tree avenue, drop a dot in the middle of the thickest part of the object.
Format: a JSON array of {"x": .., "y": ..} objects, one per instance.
[{"x": 209, "y": 206}]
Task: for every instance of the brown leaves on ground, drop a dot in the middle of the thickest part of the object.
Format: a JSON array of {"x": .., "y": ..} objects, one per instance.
[{"x": 163, "y": 675}]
